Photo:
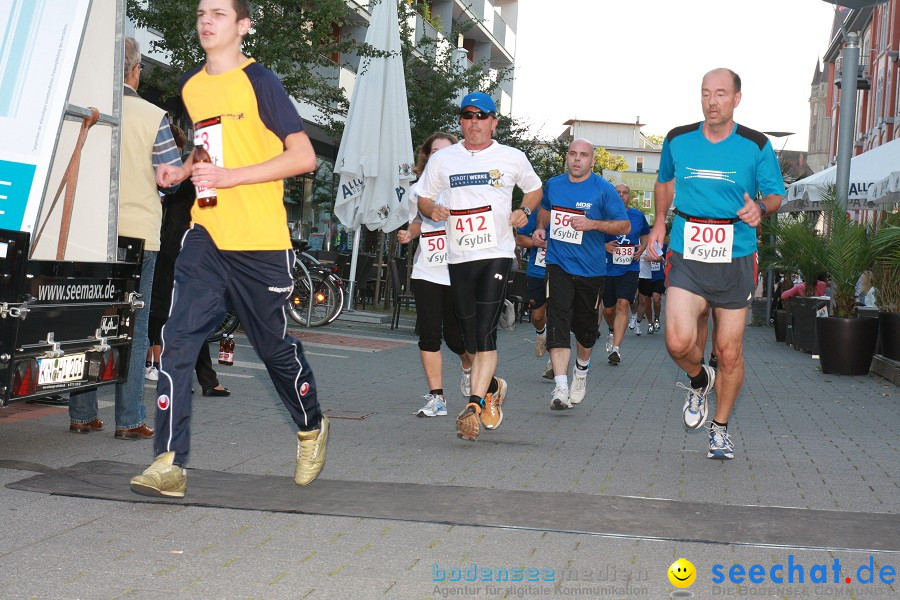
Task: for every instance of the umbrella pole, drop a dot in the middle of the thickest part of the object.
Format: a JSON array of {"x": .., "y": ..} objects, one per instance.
[{"x": 353, "y": 263}]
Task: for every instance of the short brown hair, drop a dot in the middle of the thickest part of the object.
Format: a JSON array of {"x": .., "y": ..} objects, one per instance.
[
  {"x": 425, "y": 149},
  {"x": 242, "y": 8}
]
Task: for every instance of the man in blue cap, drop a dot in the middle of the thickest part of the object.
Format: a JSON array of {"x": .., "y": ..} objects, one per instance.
[{"x": 474, "y": 181}]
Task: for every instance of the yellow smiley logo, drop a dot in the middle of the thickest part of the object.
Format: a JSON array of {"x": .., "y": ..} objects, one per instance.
[{"x": 682, "y": 573}]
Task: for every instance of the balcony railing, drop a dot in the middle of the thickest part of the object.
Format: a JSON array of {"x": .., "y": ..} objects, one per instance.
[{"x": 862, "y": 72}]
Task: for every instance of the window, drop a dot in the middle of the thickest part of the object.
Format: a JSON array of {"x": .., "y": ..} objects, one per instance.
[{"x": 640, "y": 164}]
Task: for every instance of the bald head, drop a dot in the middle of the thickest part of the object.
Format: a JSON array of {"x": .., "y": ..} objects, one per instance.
[
  {"x": 735, "y": 78},
  {"x": 624, "y": 193},
  {"x": 580, "y": 159}
]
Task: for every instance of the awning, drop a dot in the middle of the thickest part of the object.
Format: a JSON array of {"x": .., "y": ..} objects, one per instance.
[{"x": 866, "y": 170}]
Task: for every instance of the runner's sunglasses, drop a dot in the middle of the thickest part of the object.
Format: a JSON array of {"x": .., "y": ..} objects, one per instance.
[{"x": 472, "y": 114}]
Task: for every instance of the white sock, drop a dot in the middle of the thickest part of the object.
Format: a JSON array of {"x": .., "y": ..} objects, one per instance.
[
  {"x": 561, "y": 380},
  {"x": 581, "y": 368}
]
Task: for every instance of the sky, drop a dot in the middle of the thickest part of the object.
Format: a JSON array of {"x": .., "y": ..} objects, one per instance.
[{"x": 615, "y": 60}]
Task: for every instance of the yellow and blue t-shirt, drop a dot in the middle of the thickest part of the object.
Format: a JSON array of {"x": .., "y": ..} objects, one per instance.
[{"x": 256, "y": 117}]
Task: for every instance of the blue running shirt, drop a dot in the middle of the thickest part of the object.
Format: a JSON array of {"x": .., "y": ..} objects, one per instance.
[
  {"x": 533, "y": 270},
  {"x": 597, "y": 199},
  {"x": 639, "y": 227},
  {"x": 711, "y": 179}
]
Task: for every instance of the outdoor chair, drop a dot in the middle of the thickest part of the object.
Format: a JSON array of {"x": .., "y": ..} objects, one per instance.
[{"x": 400, "y": 296}]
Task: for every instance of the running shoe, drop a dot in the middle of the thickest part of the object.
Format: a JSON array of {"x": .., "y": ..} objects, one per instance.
[
  {"x": 434, "y": 407},
  {"x": 578, "y": 389},
  {"x": 632, "y": 322},
  {"x": 465, "y": 384},
  {"x": 656, "y": 325},
  {"x": 162, "y": 478},
  {"x": 720, "y": 445},
  {"x": 649, "y": 328},
  {"x": 540, "y": 344},
  {"x": 311, "y": 450},
  {"x": 614, "y": 356},
  {"x": 610, "y": 342},
  {"x": 548, "y": 372},
  {"x": 492, "y": 413},
  {"x": 468, "y": 422},
  {"x": 696, "y": 407},
  {"x": 637, "y": 329},
  {"x": 151, "y": 373},
  {"x": 560, "y": 399}
]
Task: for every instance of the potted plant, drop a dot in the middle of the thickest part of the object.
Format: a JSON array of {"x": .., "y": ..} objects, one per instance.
[
  {"x": 796, "y": 247},
  {"x": 886, "y": 279},
  {"x": 846, "y": 344}
]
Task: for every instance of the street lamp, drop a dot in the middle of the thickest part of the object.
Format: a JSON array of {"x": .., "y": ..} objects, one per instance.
[{"x": 850, "y": 69}]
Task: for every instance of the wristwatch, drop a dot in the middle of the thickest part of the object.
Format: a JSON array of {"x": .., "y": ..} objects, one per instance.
[
  {"x": 525, "y": 210},
  {"x": 762, "y": 208}
]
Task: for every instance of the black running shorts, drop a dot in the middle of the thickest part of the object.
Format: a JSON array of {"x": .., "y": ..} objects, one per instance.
[{"x": 573, "y": 304}]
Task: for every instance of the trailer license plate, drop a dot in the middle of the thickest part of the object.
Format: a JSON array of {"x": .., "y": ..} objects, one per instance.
[{"x": 60, "y": 370}]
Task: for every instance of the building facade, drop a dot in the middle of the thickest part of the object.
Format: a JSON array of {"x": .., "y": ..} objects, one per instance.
[{"x": 626, "y": 140}]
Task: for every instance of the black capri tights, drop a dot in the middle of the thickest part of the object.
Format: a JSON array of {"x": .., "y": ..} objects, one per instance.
[
  {"x": 436, "y": 317},
  {"x": 479, "y": 289}
]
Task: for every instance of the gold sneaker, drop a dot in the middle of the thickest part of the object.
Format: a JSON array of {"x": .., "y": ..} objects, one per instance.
[
  {"x": 468, "y": 422},
  {"x": 311, "y": 447},
  {"x": 162, "y": 478},
  {"x": 492, "y": 413}
]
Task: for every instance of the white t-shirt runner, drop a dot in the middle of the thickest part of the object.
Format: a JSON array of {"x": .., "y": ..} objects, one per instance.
[
  {"x": 430, "y": 263},
  {"x": 477, "y": 187}
]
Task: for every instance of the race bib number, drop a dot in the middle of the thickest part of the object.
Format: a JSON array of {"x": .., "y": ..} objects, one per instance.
[
  {"x": 623, "y": 255},
  {"x": 434, "y": 248},
  {"x": 708, "y": 242},
  {"x": 208, "y": 134},
  {"x": 472, "y": 229},
  {"x": 540, "y": 258},
  {"x": 655, "y": 266},
  {"x": 561, "y": 225}
]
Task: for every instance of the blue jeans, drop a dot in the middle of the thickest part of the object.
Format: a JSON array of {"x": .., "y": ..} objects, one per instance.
[{"x": 130, "y": 409}]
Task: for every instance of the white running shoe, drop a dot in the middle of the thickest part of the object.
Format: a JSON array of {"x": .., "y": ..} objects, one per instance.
[
  {"x": 435, "y": 407},
  {"x": 540, "y": 344},
  {"x": 696, "y": 407},
  {"x": 578, "y": 389},
  {"x": 560, "y": 399},
  {"x": 720, "y": 445},
  {"x": 465, "y": 384},
  {"x": 637, "y": 329},
  {"x": 610, "y": 342},
  {"x": 656, "y": 325},
  {"x": 615, "y": 357},
  {"x": 548, "y": 372},
  {"x": 632, "y": 322},
  {"x": 151, "y": 373}
]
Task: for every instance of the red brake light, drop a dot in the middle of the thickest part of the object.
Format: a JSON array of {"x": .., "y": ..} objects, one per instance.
[
  {"x": 25, "y": 379},
  {"x": 109, "y": 365}
]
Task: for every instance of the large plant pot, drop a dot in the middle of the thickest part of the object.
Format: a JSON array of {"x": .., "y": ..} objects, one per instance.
[
  {"x": 781, "y": 323},
  {"x": 758, "y": 317},
  {"x": 846, "y": 345},
  {"x": 889, "y": 328}
]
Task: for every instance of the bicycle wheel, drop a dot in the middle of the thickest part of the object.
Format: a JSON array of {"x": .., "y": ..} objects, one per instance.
[
  {"x": 325, "y": 297},
  {"x": 228, "y": 326}
]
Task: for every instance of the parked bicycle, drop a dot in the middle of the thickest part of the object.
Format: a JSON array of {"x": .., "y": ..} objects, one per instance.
[{"x": 318, "y": 296}]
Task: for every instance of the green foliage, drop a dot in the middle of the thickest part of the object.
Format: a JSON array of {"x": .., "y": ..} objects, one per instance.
[
  {"x": 798, "y": 247},
  {"x": 848, "y": 251},
  {"x": 886, "y": 272},
  {"x": 603, "y": 160}
]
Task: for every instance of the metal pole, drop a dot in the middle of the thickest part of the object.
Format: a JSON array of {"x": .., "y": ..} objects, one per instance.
[
  {"x": 354, "y": 258},
  {"x": 846, "y": 126},
  {"x": 770, "y": 290}
]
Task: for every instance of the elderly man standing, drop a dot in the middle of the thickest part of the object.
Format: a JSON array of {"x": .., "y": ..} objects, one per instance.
[
  {"x": 476, "y": 178},
  {"x": 146, "y": 143},
  {"x": 717, "y": 168}
]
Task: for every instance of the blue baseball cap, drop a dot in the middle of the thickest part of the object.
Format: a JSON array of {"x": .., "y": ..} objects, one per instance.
[{"x": 479, "y": 100}]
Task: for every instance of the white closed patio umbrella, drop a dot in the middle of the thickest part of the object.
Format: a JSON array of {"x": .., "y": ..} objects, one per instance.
[{"x": 375, "y": 158}]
